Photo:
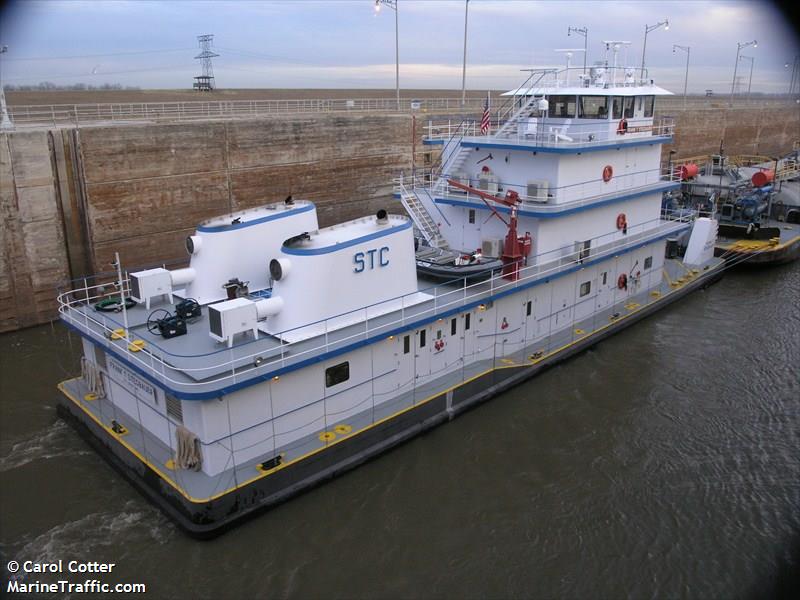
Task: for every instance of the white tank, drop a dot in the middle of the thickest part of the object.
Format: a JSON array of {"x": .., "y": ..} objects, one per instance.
[
  {"x": 344, "y": 268},
  {"x": 241, "y": 245}
]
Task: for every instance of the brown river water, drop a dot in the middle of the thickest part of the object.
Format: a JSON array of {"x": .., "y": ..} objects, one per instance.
[{"x": 663, "y": 462}]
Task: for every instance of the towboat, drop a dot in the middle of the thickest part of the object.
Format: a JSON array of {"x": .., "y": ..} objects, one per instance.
[{"x": 286, "y": 353}]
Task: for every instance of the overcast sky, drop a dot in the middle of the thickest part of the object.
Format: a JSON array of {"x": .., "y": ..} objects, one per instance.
[{"x": 345, "y": 44}]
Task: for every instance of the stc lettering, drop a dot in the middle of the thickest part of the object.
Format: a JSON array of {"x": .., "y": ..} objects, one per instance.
[{"x": 377, "y": 257}]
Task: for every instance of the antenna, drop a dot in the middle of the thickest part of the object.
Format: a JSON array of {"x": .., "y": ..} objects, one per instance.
[
  {"x": 205, "y": 82},
  {"x": 569, "y": 52},
  {"x": 615, "y": 45}
]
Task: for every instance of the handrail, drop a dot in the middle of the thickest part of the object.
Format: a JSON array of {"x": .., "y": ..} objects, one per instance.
[
  {"x": 551, "y": 198},
  {"x": 546, "y": 132},
  {"x": 80, "y": 114},
  {"x": 443, "y": 298}
]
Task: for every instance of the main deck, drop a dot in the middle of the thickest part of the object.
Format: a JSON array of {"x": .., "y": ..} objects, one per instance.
[
  {"x": 198, "y": 487},
  {"x": 196, "y": 367}
]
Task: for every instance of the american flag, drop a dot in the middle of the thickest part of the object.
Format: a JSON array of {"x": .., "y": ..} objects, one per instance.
[{"x": 485, "y": 118}]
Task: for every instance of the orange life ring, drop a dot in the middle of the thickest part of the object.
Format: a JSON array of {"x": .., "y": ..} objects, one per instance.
[
  {"x": 608, "y": 173},
  {"x": 622, "y": 282},
  {"x": 622, "y": 221},
  {"x": 622, "y": 127}
]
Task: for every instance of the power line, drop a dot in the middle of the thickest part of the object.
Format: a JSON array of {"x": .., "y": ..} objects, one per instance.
[
  {"x": 267, "y": 56},
  {"x": 96, "y": 55},
  {"x": 90, "y": 74}
]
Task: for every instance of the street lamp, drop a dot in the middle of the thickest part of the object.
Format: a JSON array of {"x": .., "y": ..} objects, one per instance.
[
  {"x": 686, "y": 49},
  {"x": 648, "y": 29},
  {"x": 795, "y": 78},
  {"x": 739, "y": 46},
  {"x": 393, "y": 5},
  {"x": 585, "y": 33},
  {"x": 464, "y": 67},
  {"x": 750, "y": 82},
  {"x": 5, "y": 121}
]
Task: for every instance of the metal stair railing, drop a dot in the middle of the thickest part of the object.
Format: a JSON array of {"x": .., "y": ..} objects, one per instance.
[
  {"x": 420, "y": 215},
  {"x": 508, "y": 107}
]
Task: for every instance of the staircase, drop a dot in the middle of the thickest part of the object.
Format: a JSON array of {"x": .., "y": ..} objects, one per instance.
[
  {"x": 421, "y": 218},
  {"x": 511, "y": 126}
]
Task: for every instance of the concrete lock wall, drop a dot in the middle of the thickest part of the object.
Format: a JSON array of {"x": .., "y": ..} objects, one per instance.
[{"x": 70, "y": 198}]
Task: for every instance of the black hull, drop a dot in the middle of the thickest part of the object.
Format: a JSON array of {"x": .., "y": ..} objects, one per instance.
[{"x": 211, "y": 518}]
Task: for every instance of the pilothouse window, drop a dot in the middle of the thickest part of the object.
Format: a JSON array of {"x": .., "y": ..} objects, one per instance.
[
  {"x": 616, "y": 110},
  {"x": 648, "y": 105},
  {"x": 629, "y": 107},
  {"x": 593, "y": 107},
  {"x": 561, "y": 107}
]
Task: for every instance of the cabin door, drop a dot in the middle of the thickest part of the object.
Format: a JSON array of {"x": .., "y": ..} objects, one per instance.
[
  {"x": 605, "y": 293},
  {"x": 466, "y": 329},
  {"x": 422, "y": 353},
  {"x": 632, "y": 179}
]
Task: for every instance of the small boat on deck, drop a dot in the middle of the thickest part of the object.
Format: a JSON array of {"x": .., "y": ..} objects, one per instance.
[{"x": 442, "y": 264}]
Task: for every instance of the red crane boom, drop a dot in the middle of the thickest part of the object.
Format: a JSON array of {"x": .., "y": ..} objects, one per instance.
[{"x": 516, "y": 248}]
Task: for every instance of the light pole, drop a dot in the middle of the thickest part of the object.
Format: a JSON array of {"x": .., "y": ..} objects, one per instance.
[
  {"x": 648, "y": 29},
  {"x": 5, "y": 120},
  {"x": 686, "y": 49},
  {"x": 750, "y": 81},
  {"x": 393, "y": 5},
  {"x": 585, "y": 33},
  {"x": 795, "y": 78},
  {"x": 739, "y": 46},
  {"x": 464, "y": 67}
]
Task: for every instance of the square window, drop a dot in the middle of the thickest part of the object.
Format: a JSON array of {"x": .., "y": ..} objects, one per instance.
[
  {"x": 586, "y": 287},
  {"x": 438, "y": 334},
  {"x": 648, "y": 262},
  {"x": 337, "y": 374}
]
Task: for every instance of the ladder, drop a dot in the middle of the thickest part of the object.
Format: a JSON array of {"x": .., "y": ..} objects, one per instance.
[
  {"x": 421, "y": 218},
  {"x": 511, "y": 126}
]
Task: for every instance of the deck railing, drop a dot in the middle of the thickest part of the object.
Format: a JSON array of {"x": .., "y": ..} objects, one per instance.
[
  {"x": 102, "y": 113},
  {"x": 544, "y": 198},
  {"x": 362, "y": 324},
  {"x": 542, "y": 131}
]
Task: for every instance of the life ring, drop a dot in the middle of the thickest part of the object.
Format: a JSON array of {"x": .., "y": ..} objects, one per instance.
[
  {"x": 622, "y": 128},
  {"x": 439, "y": 345},
  {"x": 504, "y": 324},
  {"x": 608, "y": 173},
  {"x": 622, "y": 282},
  {"x": 622, "y": 221}
]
